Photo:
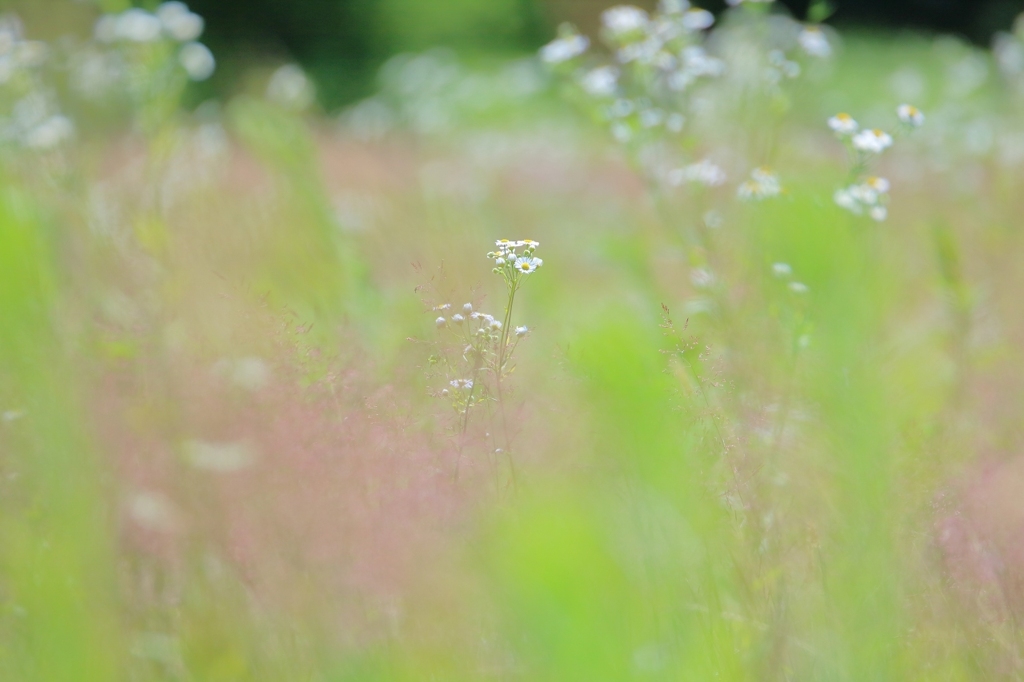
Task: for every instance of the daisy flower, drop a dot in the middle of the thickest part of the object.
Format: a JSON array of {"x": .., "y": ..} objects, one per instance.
[
  {"x": 872, "y": 141},
  {"x": 910, "y": 115},
  {"x": 843, "y": 125},
  {"x": 527, "y": 265}
]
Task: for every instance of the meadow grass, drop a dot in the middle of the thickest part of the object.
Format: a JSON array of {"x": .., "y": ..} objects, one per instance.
[{"x": 741, "y": 441}]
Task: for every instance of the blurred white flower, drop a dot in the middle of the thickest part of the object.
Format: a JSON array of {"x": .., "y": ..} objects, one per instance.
[
  {"x": 440, "y": 322},
  {"x": 105, "y": 29},
  {"x": 50, "y": 133},
  {"x": 624, "y": 21},
  {"x": 457, "y": 318},
  {"x": 461, "y": 384},
  {"x": 649, "y": 118},
  {"x": 843, "y": 125},
  {"x": 763, "y": 184},
  {"x": 567, "y": 46},
  {"x": 798, "y": 287},
  {"x": 814, "y": 42},
  {"x": 910, "y": 115},
  {"x": 179, "y": 22},
  {"x": 1009, "y": 53},
  {"x": 601, "y": 82},
  {"x": 698, "y": 19},
  {"x": 872, "y": 141},
  {"x": 197, "y": 61},
  {"x": 782, "y": 269},
  {"x": 138, "y": 26},
  {"x": 703, "y": 172},
  {"x": 522, "y": 331},
  {"x": 673, "y": 6},
  {"x": 291, "y": 88},
  {"x": 869, "y": 196}
]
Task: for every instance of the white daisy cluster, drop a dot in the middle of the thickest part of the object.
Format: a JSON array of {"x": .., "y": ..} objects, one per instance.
[
  {"x": 514, "y": 259},
  {"x": 171, "y": 24},
  {"x": 869, "y": 195},
  {"x": 704, "y": 172},
  {"x": 567, "y": 46},
  {"x": 763, "y": 184}
]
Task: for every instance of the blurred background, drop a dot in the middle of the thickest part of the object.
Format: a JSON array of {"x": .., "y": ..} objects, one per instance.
[{"x": 342, "y": 43}]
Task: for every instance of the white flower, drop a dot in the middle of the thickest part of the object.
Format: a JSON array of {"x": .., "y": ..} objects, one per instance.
[
  {"x": 50, "y": 133},
  {"x": 440, "y": 322},
  {"x": 880, "y": 185},
  {"x": 845, "y": 199},
  {"x": 649, "y": 118},
  {"x": 698, "y": 19},
  {"x": 461, "y": 384},
  {"x": 138, "y": 26},
  {"x": 522, "y": 331},
  {"x": 106, "y": 28},
  {"x": 910, "y": 115},
  {"x": 624, "y": 20},
  {"x": 812, "y": 39},
  {"x": 798, "y": 287},
  {"x": 843, "y": 125},
  {"x": 872, "y": 141},
  {"x": 495, "y": 325},
  {"x": 870, "y": 195},
  {"x": 467, "y": 308},
  {"x": 673, "y": 6},
  {"x": 764, "y": 184},
  {"x": 697, "y": 62},
  {"x": 505, "y": 246},
  {"x": 291, "y": 88},
  {"x": 528, "y": 265},
  {"x": 458, "y": 319},
  {"x": 563, "y": 49},
  {"x": 703, "y": 172},
  {"x": 528, "y": 243},
  {"x": 782, "y": 269},
  {"x": 197, "y": 60},
  {"x": 179, "y": 23},
  {"x": 601, "y": 82},
  {"x": 443, "y": 306}
]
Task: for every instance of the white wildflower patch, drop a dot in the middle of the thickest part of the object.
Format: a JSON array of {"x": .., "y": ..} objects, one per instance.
[
  {"x": 763, "y": 184},
  {"x": 872, "y": 141},
  {"x": 567, "y": 46},
  {"x": 602, "y": 81},
  {"x": 703, "y": 172},
  {"x": 624, "y": 22}
]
